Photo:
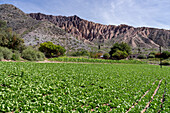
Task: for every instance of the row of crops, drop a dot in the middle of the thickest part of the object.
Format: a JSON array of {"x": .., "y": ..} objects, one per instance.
[
  {"x": 81, "y": 59},
  {"x": 50, "y": 87}
]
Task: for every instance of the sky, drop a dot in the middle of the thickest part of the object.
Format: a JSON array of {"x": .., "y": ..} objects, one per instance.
[{"x": 137, "y": 13}]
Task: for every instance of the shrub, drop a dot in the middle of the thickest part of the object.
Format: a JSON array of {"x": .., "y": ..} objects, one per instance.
[
  {"x": 10, "y": 39},
  {"x": 95, "y": 55},
  {"x": 119, "y": 55},
  {"x": 81, "y": 53},
  {"x": 32, "y": 54},
  {"x": 1, "y": 56},
  {"x": 7, "y": 53},
  {"x": 141, "y": 57},
  {"x": 51, "y": 50},
  {"x": 157, "y": 55},
  {"x": 123, "y": 47},
  {"x": 165, "y": 63},
  {"x": 165, "y": 54},
  {"x": 106, "y": 56},
  {"x": 16, "y": 55},
  {"x": 151, "y": 56},
  {"x": 152, "y": 53}
]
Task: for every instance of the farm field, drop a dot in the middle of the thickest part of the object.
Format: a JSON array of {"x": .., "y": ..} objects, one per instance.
[
  {"x": 71, "y": 87},
  {"x": 92, "y": 60}
]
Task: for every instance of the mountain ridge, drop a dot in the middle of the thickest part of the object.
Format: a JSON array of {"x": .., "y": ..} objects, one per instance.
[
  {"x": 98, "y": 33},
  {"x": 35, "y": 32}
]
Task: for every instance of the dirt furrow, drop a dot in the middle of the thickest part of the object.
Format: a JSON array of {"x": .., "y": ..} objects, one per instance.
[
  {"x": 163, "y": 98},
  {"x": 139, "y": 99},
  {"x": 152, "y": 97}
]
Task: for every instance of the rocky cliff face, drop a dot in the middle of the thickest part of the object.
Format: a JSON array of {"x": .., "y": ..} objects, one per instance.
[
  {"x": 35, "y": 31},
  {"x": 108, "y": 34}
]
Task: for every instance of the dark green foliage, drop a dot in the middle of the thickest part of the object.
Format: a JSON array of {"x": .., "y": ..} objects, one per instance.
[
  {"x": 16, "y": 55},
  {"x": 151, "y": 56},
  {"x": 106, "y": 56},
  {"x": 2, "y": 24},
  {"x": 165, "y": 54},
  {"x": 32, "y": 54},
  {"x": 165, "y": 63},
  {"x": 157, "y": 55},
  {"x": 51, "y": 50},
  {"x": 95, "y": 55},
  {"x": 1, "y": 56},
  {"x": 141, "y": 57},
  {"x": 152, "y": 53},
  {"x": 7, "y": 53},
  {"x": 120, "y": 51},
  {"x": 9, "y": 39},
  {"x": 81, "y": 53},
  {"x": 119, "y": 55}
]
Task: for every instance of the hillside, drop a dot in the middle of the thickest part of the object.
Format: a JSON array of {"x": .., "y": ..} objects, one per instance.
[
  {"x": 35, "y": 31},
  {"x": 108, "y": 34}
]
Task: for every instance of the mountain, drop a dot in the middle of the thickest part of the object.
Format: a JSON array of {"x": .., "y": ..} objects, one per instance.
[
  {"x": 35, "y": 31},
  {"x": 108, "y": 34}
]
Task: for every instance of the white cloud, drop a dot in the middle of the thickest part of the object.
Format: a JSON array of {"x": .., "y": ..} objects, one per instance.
[
  {"x": 140, "y": 13},
  {"x": 149, "y": 13}
]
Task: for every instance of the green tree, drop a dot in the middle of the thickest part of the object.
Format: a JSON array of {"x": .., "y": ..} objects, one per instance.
[
  {"x": 9, "y": 39},
  {"x": 120, "y": 51},
  {"x": 51, "y": 50},
  {"x": 165, "y": 54},
  {"x": 119, "y": 55}
]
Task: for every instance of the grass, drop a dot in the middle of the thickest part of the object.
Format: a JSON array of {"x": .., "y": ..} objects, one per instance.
[{"x": 91, "y": 60}]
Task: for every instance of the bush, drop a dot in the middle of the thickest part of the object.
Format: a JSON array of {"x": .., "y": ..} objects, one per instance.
[
  {"x": 95, "y": 55},
  {"x": 157, "y": 55},
  {"x": 119, "y": 55},
  {"x": 32, "y": 54},
  {"x": 122, "y": 49},
  {"x": 141, "y": 57},
  {"x": 152, "y": 53},
  {"x": 7, "y": 53},
  {"x": 51, "y": 50},
  {"x": 1, "y": 56},
  {"x": 165, "y": 55},
  {"x": 165, "y": 63},
  {"x": 16, "y": 55},
  {"x": 151, "y": 56},
  {"x": 81, "y": 53},
  {"x": 106, "y": 56},
  {"x": 10, "y": 39}
]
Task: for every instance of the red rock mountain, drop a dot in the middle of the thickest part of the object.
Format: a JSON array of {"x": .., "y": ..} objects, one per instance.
[{"x": 108, "y": 34}]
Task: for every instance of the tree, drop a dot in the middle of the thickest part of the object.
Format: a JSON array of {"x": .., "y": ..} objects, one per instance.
[
  {"x": 165, "y": 54},
  {"x": 9, "y": 39},
  {"x": 119, "y": 55},
  {"x": 51, "y": 50},
  {"x": 120, "y": 51}
]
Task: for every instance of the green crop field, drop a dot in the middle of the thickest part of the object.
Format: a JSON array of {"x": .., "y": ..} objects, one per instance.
[
  {"x": 67, "y": 87},
  {"x": 92, "y": 60}
]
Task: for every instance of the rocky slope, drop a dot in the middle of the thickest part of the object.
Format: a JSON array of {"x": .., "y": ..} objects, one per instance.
[
  {"x": 108, "y": 34},
  {"x": 35, "y": 31}
]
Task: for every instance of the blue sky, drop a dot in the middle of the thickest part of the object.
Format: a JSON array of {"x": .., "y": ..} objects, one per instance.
[{"x": 137, "y": 13}]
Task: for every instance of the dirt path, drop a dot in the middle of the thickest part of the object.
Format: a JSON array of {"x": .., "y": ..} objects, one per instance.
[{"x": 152, "y": 97}]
